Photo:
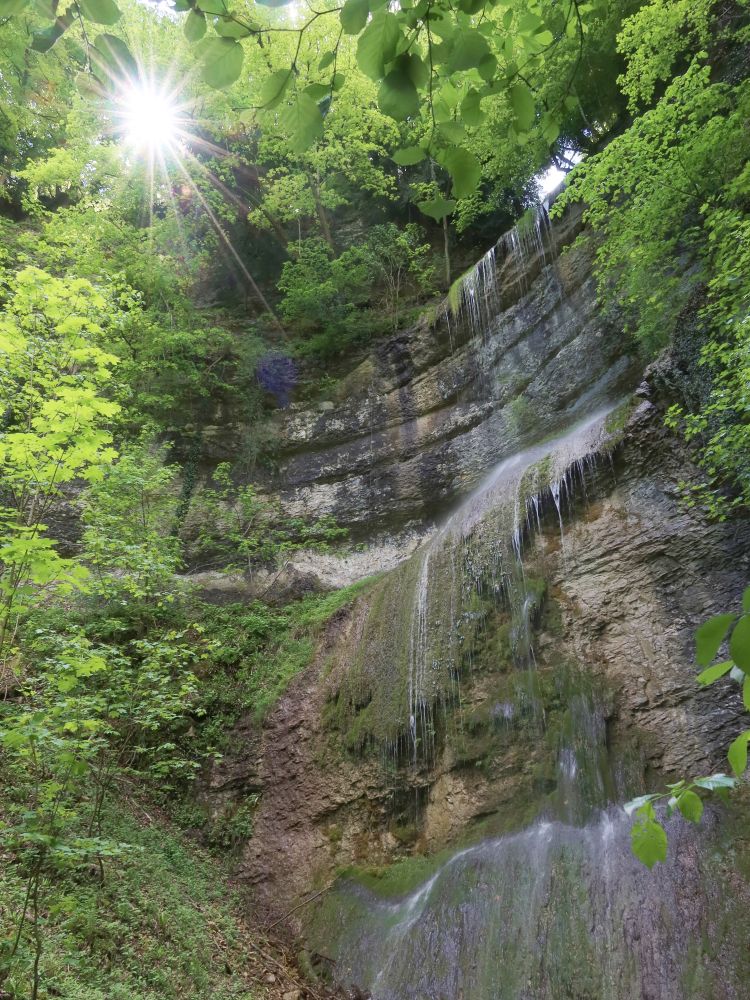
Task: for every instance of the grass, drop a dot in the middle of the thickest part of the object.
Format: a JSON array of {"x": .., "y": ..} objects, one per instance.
[
  {"x": 162, "y": 926},
  {"x": 257, "y": 651}
]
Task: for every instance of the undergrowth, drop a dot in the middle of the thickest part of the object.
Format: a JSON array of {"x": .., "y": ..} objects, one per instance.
[{"x": 159, "y": 926}]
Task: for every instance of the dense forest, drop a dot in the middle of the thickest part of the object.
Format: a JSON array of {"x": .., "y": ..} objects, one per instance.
[{"x": 218, "y": 218}]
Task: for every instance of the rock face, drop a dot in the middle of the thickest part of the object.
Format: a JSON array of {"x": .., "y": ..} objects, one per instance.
[
  {"x": 522, "y": 670},
  {"x": 422, "y": 419},
  {"x": 633, "y": 577},
  {"x": 643, "y": 573}
]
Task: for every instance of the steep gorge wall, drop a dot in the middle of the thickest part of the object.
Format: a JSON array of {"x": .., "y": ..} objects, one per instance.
[
  {"x": 635, "y": 575},
  {"x": 419, "y": 422},
  {"x": 617, "y": 576}
]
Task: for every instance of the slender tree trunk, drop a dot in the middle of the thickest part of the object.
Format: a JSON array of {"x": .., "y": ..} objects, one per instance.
[
  {"x": 446, "y": 250},
  {"x": 38, "y": 940},
  {"x": 325, "y": 227}
]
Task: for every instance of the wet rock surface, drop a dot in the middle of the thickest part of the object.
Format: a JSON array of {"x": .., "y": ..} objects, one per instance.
[
  {"x": 420, "y": 421},
  {"x": 634, "y": 576},
  {"x": 521, "y": 668}
]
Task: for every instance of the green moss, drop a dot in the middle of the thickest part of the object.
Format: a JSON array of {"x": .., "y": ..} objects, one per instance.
[
  {"x": 390, "y": 881},
  {"x": 257, "y": 651},
  {"x": 406, "y": 835},
  {"x": 618, "y": 419}
]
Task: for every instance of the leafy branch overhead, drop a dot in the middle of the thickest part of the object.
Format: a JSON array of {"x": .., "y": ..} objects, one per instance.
[
  {"x": 648, "y": 835},
  {"x": 434, "y": 64}
]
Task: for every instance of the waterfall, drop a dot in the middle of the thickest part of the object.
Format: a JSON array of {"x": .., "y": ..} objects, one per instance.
[
  {"x": 554, "y": 905},
  {"x": 476, "y": 296},
  {"x": 413, "y": 650},
  {"x": 554, "y": 911}
]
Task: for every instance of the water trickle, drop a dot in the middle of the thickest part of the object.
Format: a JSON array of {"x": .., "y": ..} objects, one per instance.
[
  {"x": 559, "y": 909},
  {"x": 475, "y": 297},
  {"x": 555, "y": 911},
  {"x": 429, "y": 611}
]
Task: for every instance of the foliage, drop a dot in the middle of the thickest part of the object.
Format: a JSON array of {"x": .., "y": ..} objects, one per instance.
[
  {"x": 129, "y": 525},
  {"x": 720, "y": 428},
  {"x": 668, "y": 201},
  {"x": 88, "y": 717},
  {"x": 432, "y": 64},
  {"x": 648, "y": 836},
  {"x": 646, "y": 195},
  {"x": 256, "y": 651},
  {"x": 233, "y": 526},
  {"x": 323, "y": 294},
  {"x": 55, "y": 427},
  {"x": 161, "y": 926}
]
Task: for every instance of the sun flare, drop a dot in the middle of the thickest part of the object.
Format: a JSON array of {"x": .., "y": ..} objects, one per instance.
[{"x": 149, "y": 118}]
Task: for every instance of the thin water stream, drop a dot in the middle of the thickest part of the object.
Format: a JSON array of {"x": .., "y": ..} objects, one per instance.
[{"x": 558, "y": 908}]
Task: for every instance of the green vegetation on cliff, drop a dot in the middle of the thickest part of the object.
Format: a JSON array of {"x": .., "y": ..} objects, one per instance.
[{"x": 185, "y": 251}]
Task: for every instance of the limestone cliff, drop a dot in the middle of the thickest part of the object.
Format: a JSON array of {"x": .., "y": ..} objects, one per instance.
[{"x": 528, "y": 657}]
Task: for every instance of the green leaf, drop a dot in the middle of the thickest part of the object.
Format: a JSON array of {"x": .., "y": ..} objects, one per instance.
[
  {"x": 89, "y": 87},
  {"x": 746, "y": 693},
  {"x": 303, "y": 122},
  {"x": 529, "y": 22},
  {"x": 464, "y": 168},
  {"x": 398, "y": 97},
  {"x": 544, "y": 38},
  {"x": 233, "y": 29},
  {"x": 442, "y": 26},
  {"x": 10, "y": 7},
  {"x": 739, "y": 643},
  {"x": 100, "y": 11},
  {"x": 471, "y": 109},
  {"x": 709, "y": 637},
  {"x": 43, "y": 39},
  {"x": 691, "y": 806},
  {"x": 487, "y": 67},
  {"x": 452, "y": 131},
  {"x": 648, "y": 840},
  {"x": 737, "y": 753},
  {"x": 471, "y": 6},
  {"x": 195, "y": 26},
  {"x": 524, "y": 106},
  {"x": 275, "y": 3},
  {"x": 327, "y": 60},
  {"x": 550, "y": 130},
  {"x": 377, "y": 44},
  {"x": 414, "y": 67},
  {"x": 113, "y": 58},
  {"x": 715, "y": 782},
  {"x": 354, "y": 16},
  {"x": 317, "y": 91},
  {"x": 468, "y": 51},
  {"x": 437, "y": 208},
  {"x": 634, "y": 804},
  {"x": 274, "y": 87},
  {"x": 712, "y": 674},
  {"x": 408, "y": 157},
  {"x": 222, "y": 62},
  {"x": 214, "y": 7}
]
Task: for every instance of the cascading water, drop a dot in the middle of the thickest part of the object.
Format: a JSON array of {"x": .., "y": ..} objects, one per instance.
[
  {"x": 475, "y": 297},
  {"x": 479, "y": 549},
  {"x": 557, "y": 908},
  {"x": 555, "y": 911}
]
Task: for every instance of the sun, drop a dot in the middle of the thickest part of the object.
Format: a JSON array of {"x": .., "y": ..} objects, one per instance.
[{"x": 149, "y": 118}]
